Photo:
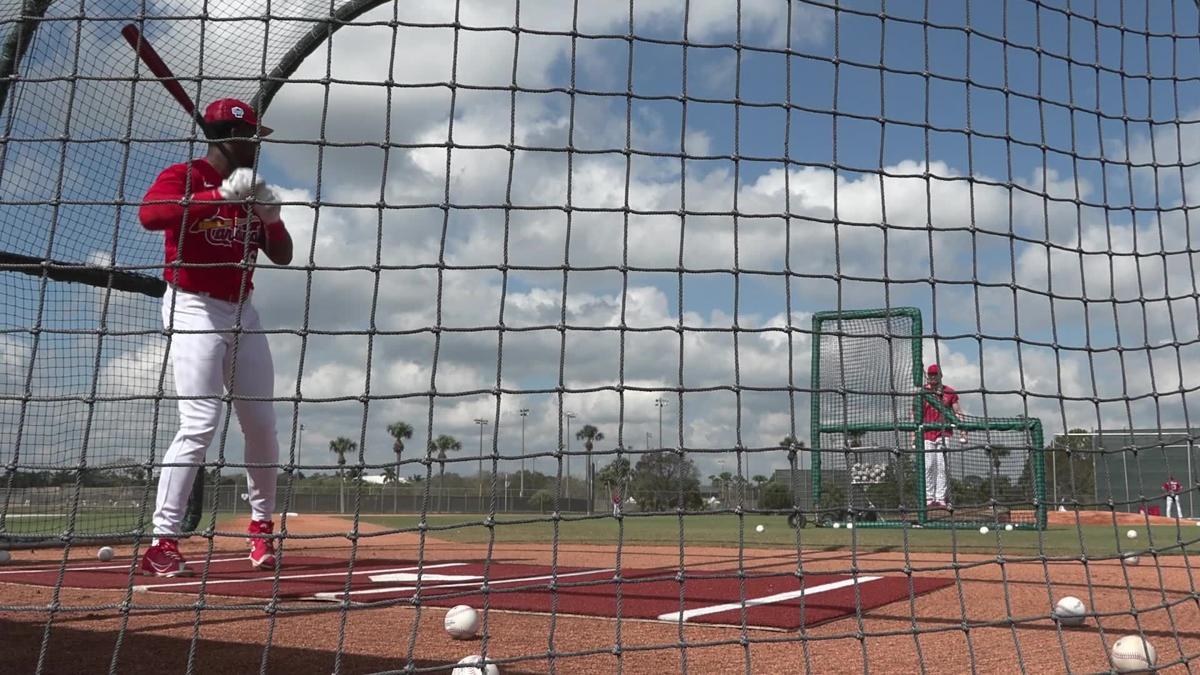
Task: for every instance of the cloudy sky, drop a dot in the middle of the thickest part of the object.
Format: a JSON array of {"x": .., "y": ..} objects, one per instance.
[{"x": 1050, "y": 250}]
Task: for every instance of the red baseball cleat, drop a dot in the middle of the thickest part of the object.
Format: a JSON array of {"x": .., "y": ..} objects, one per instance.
[
  {"x": 262, "y": 551},
  {"x": 163, "y": 560}
]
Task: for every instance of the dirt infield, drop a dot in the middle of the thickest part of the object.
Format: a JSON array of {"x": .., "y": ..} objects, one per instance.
[
  {"x": 1070, "y": 518},
  {"x": 993, "y": 619}
]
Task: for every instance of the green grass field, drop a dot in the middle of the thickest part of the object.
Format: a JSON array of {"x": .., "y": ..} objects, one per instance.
[
  {"x": 723, "y": 530},
  {"x": 86, "y": 523}
]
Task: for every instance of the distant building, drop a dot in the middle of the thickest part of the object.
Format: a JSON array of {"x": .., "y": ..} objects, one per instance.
[{"x": 378, "y": 479}]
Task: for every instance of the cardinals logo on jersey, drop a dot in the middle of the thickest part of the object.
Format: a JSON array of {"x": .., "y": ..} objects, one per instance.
[{"x": 226, "y": 232}]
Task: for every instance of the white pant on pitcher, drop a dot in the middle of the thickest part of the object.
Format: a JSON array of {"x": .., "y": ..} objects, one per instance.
[
  {"x": 936, "y": 472},
  {"x": 1173, "y": 501},
  {"x": 203, "y": 364}
]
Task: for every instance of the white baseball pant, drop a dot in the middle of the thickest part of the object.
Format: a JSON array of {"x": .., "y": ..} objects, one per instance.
[
  {"x": 203, "y": 364},
  {"x": 1173, "y": 501},
  {"x": 936, "y": 472}
]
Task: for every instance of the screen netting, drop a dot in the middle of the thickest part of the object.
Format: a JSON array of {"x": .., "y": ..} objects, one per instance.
[
  {"x": 610, "y": 320},
  {"x": 871, "y": 463}
]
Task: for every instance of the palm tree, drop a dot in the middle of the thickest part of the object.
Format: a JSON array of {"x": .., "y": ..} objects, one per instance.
[
  {"x": 399, "y": 431},
  {"x": 997, "y": 455},
  {"x": 589, "y": 434},
  {"x": 442, "y": 445},
  {"x": 726, "y": 480},
  {"x": 390, "y": 476},
  {"x": 340, "y": 446},
  {"x": 789, "y": 442},
  {"x": 759, "y": 481}
]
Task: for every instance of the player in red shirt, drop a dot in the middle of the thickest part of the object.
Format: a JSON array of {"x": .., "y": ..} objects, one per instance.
[
  {"x": 216, "y": 212},
  {"x": 936, "y": 440},
  {"x": 1173, "y": 487}
]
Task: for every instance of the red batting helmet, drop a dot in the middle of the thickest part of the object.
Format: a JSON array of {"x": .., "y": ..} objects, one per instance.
[{"x": 933, "y": 370}]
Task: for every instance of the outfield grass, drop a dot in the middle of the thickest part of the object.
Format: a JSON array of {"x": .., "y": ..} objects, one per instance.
[
  {"x": 723, "y": 530},
  {"x": 86, "y": 522}
]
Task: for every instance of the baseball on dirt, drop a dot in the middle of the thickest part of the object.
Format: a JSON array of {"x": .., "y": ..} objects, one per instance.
[
  {"x": 105, "y": 553},
  {"x": 1132, "y": 654},
  {"x": 1069, "y": 611},
  {"x": 461, "y": 622},
  {"x": 470, "y": 666},
  {"x": 1130, "y": 559}
]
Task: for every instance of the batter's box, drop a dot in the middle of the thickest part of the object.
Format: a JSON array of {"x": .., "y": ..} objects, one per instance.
[{"x": 775, "y": 600}]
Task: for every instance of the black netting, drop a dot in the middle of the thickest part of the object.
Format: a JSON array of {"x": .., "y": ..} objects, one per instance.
[{"x": 612, "y": 285}]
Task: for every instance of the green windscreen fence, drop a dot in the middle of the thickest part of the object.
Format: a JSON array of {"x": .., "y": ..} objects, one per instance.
[{"x": 869, "y": 458}]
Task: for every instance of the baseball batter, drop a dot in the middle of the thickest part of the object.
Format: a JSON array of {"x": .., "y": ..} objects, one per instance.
[
  {"x": 213, "y": 235},
  {"x": 936, "y": 471}
]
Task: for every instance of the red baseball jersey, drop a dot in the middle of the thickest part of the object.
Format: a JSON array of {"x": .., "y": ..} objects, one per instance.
[
  {"x": 206, "y": 233},
  {"x": 1172, "y": 487},
  {"x": 949, "y": 398}
]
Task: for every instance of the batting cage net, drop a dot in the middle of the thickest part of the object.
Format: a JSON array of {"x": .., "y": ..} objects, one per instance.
[
  {"x": 871, "y": 463},
  {"x": 597, "y": 335}
]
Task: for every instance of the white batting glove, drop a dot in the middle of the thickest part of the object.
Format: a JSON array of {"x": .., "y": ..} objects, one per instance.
[
  {"x": 239, "y": 184},
  {"x": 266, "y": 204}
]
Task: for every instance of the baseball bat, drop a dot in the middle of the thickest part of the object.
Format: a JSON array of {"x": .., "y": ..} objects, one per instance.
[
  {"x": 154, "y": 62},
  {"x": 149, "y": 56}
]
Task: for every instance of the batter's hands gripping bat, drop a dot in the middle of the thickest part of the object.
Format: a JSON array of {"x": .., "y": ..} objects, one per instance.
[{"x": 154, "y": 62}]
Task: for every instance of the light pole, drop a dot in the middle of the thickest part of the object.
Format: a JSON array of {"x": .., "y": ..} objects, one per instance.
[
  {"x": 524, "y": 413},
  {"x": 569, "y": 416},
  {"x": 481, "y": 422},
  {"x": 647, "y": 440},
  {"x": 660, "y": 403}
]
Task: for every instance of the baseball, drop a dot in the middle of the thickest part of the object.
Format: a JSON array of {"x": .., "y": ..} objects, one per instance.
[
  {"x": 1069, "y": 611},
  {"x": 836, "y": 525},
  {"x": 1008, "y": 527},
  {"x": 4, "y": 556},
  {"x": 105, "y": 553},
  {"x": 1132, "y": 534},
  {"x": 849, "y": 526},
  {"x": 461, "y": 622},
  {"x": 1132, "y": 654},
  {"x": 1130, "y": 559},
  {"x": 760, "y": 528},
  {"x": 983, "y": 530},
  {"x": 470, "y": 666}
]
